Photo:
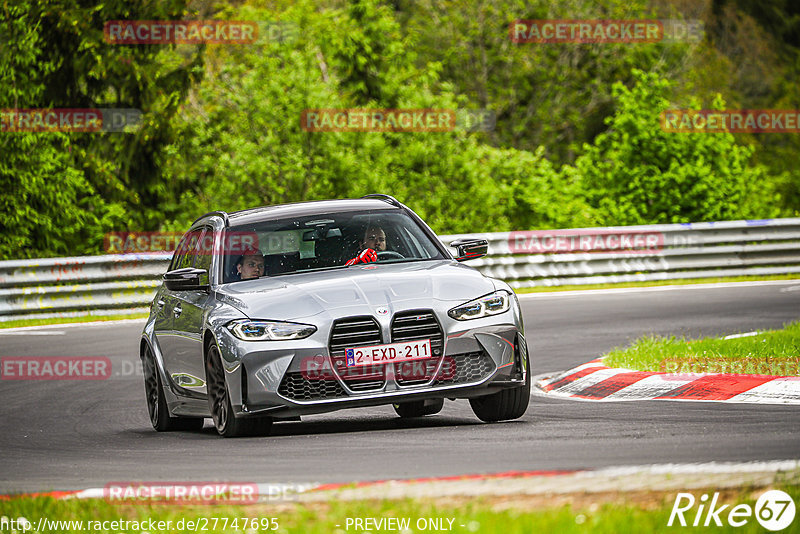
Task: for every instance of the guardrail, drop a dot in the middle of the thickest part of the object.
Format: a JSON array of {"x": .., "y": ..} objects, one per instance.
[
  {"x": 126, "y": 283},
  {"x": 84, "y": 285}
]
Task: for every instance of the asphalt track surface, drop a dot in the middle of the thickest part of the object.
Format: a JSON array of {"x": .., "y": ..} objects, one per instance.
[{"x": 78, "y": 434}]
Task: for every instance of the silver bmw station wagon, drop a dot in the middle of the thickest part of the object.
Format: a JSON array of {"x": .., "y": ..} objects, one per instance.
[{"x": 271, "y": 313}]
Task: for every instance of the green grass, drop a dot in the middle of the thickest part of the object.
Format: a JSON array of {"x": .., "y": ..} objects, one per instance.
[
  {"x": 67, "y": 320},
  {"x": 598, "y": 514},
  {"x": 657, "y": 283},
  {"x": 773, "y": 352}
]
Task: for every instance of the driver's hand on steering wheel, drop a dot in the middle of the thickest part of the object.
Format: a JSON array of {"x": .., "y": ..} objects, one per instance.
[{"x": 365, "y": 256}]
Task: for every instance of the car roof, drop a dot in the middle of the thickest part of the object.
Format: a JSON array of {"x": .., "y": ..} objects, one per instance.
[{"x": 301, "y": 209}]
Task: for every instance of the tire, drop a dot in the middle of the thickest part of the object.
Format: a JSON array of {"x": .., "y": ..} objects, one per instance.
[
  {"x": 418, "y": 408},
  {"x": 219, "y": 403},
  {"x": 157, "y": 402},
  {"x": 506, "y": 404}
]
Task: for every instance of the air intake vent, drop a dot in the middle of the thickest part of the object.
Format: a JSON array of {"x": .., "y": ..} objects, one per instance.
[
  {"x": 465, "y": 368},
  {"x": 296, "y": 386},
  {"x": 356, "y": 332}
]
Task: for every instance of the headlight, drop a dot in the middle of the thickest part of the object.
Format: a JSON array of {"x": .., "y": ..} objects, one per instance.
[
  {"x": 493, "y": 304},
  {"x": 248, "y": 330}
]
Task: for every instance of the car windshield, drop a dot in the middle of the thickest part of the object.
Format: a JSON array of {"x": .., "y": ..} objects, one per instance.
[{"x": 327, "y": 241}]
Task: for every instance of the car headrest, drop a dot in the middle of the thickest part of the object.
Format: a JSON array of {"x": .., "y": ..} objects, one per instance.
[{"x": 281, "y": 263}]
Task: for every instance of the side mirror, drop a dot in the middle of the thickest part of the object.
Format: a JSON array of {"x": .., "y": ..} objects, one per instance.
[
  {"x": 469, "y": 249},
  {"x": 185, "y": 279}
]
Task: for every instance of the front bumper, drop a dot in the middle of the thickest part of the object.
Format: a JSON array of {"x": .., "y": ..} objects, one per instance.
[{"x": 305, "y": 379}]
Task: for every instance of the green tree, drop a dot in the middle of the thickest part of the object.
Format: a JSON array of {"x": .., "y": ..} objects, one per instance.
[
  {"x": 246, "y": 148},
  {"x": 45, "y": 201},
  {"x": 55, "y": 56},
  {"x": 636, "y": 173},
  {"x": 551, "y": 95}
]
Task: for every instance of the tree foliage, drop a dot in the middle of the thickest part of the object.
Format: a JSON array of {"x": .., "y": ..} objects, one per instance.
[
  {"x": 46, "y": 201},
  {"x": 245, "y": 153},
  {"x": 636, "y": 173},
  {"x": 55, "y": 56},
  {"x": 577, "y": 140}
]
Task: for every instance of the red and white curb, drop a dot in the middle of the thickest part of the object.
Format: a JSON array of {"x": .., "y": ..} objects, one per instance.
[{"x": 594, "y": 381}]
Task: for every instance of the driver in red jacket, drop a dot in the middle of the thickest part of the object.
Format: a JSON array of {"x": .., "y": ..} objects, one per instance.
[{"x": 374, "y": 242}]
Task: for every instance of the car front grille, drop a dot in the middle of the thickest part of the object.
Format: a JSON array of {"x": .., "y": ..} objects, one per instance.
[
  {"x": 464, "y": 369},
  {"x": 410, "y": 326},
  {"x": 356, "y": 332},
  {"x": 297, "y": 386},
  {"x": 364, "y": 331}
]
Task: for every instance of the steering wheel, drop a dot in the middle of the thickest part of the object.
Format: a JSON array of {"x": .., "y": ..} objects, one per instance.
[{"x": 389, "y": 255}]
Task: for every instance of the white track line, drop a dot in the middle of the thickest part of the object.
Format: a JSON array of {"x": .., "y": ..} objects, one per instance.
[
  {"x": 33, "y": 333},
  {"x": 707, "y": 467},
  {"x": 72, "y": 325},
  {"x": 615, "y": 290}
]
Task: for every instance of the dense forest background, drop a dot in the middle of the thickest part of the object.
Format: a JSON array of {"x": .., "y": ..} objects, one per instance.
[{"x": 577, "y": 139}]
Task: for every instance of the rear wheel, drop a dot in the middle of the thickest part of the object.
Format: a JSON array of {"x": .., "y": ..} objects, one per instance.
[
  {"x": 419, "y": 408},
  {"x": 506, "y": 404},
  {"x": 219, "y": 403},
  {"x": 157, "y": 401}
]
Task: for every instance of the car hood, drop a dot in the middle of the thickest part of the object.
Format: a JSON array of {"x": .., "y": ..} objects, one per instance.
[{"x": 356, "y": 290}]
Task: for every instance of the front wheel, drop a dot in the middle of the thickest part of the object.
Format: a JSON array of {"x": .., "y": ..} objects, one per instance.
[
  {"x": 219, "y": 403},
  {"x": 157, "y": 402},
  {"x": 506, "y": 404},
  {"x": 419, "y": 408}
]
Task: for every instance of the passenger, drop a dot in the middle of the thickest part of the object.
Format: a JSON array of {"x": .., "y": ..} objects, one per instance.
[{"x": 374, "y": 242}]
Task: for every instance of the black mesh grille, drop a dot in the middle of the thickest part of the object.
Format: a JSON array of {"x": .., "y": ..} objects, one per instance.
[
  {"x": 296, "y": 386},
  {"x": 464, "y": 368},
  {"x": 356, "y": 332},
  {"x": 412, "y": 325}
]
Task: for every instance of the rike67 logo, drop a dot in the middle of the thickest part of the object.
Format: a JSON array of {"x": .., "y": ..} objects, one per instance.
[{"x": 774, "y": 510}]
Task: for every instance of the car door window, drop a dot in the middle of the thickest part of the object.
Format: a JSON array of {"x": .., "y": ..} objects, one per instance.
[
  {"x": 178, "y": 254},
  {"x": 205, "y": 254},
  {"x": 186, "y": 251}
]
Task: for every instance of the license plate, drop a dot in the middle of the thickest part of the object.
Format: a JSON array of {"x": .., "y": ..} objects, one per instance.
[{"x": 419, "y": 349}]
